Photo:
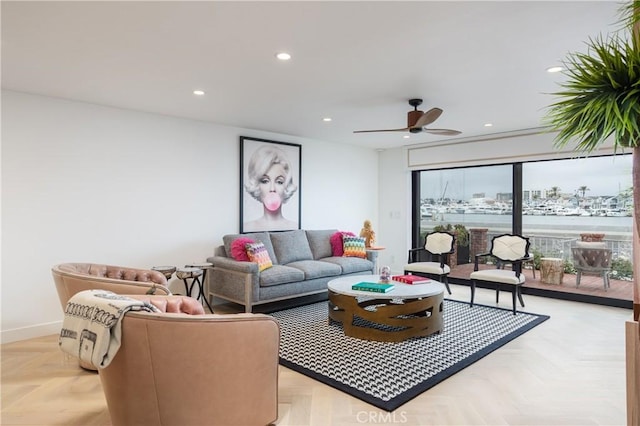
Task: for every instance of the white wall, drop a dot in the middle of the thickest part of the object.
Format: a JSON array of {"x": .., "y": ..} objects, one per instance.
[
  {"x": 395, "y": 205},
  {"x": 89, "y": 183}
]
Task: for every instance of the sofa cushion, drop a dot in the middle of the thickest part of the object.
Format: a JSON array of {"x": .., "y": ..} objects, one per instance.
[
  {"x": 239, "y": 249},
  {"x": 262, "y": 237},
  {"x": 337, "y": 248},
  {"x": 280, "y": 274},
  {"x": 319, "y": 242},
  {"x": 354, "y": 246},
  {"x": 314, "y": 269},
  {"x": 291, "y": 246},
  {"x": 350, "y": 265},
  {"x": 257, "y": 253}
]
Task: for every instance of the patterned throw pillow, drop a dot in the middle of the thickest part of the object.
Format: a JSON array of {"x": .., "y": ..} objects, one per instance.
[
  {"x": 337, "y": 246},
  {"x": 257, "y": 253},
  {"x": 354, "y": 246},
  {"x": 239, "y": 249}
]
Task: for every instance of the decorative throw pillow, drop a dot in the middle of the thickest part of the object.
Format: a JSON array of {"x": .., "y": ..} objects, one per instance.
[
  {"x": 239, "y": 249},
  {"x": 257, "y": 253},
  {"x": 337, "y": 244},
  {"x": 354, "y": 246}
]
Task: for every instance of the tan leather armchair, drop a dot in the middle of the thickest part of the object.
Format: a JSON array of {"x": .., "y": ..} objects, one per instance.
[
  {"x": 180, "y": 366},
  {"x": 180, "y": 369},
  {"x": 71, "y": 278}
]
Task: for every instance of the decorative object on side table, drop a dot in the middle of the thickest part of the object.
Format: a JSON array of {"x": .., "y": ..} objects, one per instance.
[
  {"x": 368, "y": 234},
  {"x": 385, "y": 274}
]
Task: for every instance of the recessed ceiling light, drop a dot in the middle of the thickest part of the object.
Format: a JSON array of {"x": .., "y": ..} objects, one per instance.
[
  {"x": 283, "y": 56},
  {"x": 554, "y": 69},
  {"x": 198, "y": 92},
  {"x": 406, "y": 136},
  {"x": 488, "y": 124},
  {"x": 326, "y": 119}
]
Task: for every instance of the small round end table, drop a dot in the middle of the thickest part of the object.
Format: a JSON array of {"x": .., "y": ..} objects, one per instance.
[
  {"x": 197, "y": 276},
  {"x": 167, "y": 271}
]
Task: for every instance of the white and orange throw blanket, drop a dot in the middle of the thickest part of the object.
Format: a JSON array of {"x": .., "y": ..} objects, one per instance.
[{"x": 92, "y": 326}]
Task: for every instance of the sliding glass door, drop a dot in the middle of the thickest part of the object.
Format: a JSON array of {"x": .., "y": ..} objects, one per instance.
[
  {"x": 555, "y": 203},
  {"x": 464, "y": 199}
]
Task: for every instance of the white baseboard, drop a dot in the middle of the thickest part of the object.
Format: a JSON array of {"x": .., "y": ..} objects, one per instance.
[{"x": 24, "y": 333}]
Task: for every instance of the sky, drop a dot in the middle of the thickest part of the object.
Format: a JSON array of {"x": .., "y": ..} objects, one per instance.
[{"x": 602, "y": 175}]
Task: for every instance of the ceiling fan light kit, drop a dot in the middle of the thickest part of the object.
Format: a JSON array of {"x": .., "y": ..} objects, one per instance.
[{"x": 417, "y": 120}]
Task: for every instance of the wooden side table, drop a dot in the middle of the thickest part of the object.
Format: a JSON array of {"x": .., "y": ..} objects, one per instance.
[{"x": 551, "y": 270}]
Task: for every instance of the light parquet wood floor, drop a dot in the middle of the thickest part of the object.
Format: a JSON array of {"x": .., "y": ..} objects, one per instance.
[{"x": 567, "y": 371}]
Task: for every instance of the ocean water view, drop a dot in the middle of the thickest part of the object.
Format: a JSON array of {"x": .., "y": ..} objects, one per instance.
[{"x": 614, "y": 228}]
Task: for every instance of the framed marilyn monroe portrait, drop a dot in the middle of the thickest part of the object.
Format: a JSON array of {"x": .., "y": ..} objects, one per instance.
[{"x": 270, "y": 175}]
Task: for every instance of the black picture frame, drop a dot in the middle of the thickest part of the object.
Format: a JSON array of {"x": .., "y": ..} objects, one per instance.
[{"x": 282, "y": 210}]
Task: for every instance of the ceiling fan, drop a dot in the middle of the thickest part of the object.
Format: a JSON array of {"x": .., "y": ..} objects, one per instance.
[{"x": 416, "y": 120}]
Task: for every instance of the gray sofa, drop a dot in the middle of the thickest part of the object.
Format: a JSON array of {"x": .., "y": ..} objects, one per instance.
[{"x": 302, "y": 265}]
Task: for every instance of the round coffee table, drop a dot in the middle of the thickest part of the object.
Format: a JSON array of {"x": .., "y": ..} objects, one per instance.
[{"x": 406, "y": 311}]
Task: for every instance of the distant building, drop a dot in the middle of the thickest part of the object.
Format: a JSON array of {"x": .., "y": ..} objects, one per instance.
[{"x": 504, "y": 196}]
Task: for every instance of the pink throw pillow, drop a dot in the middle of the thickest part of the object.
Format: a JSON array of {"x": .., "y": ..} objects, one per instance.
[
  {"x": 239, "y": 249},
  {"x": 337, "y": 248}
]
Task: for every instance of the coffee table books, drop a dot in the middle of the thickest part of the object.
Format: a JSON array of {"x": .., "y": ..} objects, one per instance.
[
  {"x": 411, "y": 279},
  {"x": 373, "y": 287}
]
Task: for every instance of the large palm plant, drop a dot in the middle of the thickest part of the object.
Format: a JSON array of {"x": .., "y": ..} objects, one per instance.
[{"x": 601, "y": 99}]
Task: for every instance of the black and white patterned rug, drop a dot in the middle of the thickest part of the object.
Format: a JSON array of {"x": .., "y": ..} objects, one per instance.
[{"x": 388, "y": 375}]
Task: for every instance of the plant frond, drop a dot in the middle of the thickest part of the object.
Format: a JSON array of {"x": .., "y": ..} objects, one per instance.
[
  {"x": 600, "y": 97},
  {"x": 629, "y": 15}
]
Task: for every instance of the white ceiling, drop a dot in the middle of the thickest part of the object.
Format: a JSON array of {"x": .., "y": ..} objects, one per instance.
[{"x": 356, "y": 62}]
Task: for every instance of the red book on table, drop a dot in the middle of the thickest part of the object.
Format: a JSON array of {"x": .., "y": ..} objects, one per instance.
[{"x": 410, "y": 279}]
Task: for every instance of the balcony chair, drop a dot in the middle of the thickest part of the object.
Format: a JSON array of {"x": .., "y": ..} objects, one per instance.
[
  {"x": 438, "y": 246},
  {"x": 506, "y": 248},
  {"x": 592, "y": 258}
]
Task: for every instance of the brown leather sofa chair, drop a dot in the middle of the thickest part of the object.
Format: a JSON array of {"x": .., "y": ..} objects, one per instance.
[
  {"x": 71, "y": 278},
  {"x": 180, "y": 369},
  {"x": 181, "y": 366}
]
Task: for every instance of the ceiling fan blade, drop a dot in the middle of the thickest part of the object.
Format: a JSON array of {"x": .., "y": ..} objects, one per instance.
[
  {"x": 428, "y": 117},
  {"x": 443, "y": 132},
  {"x": 387, "y": 130}
]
